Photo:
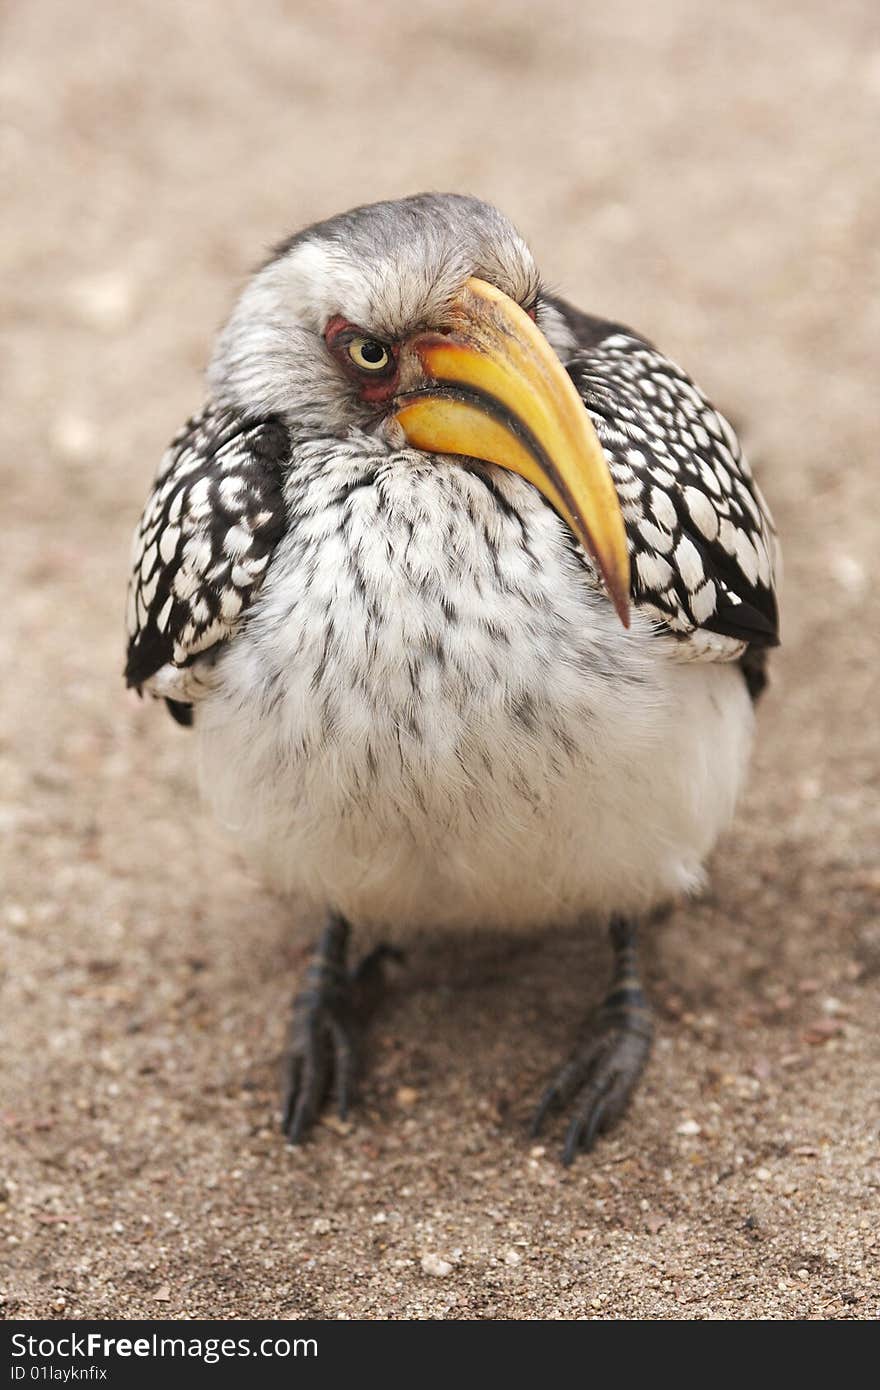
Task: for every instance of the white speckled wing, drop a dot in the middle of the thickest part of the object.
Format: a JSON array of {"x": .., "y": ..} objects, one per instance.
[
  {"x": 202, "y": 546},
  {"x": 702, "y": 542}
]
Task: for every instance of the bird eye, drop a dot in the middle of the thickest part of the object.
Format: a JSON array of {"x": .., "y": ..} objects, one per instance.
[{"x": 368, "y": 354}]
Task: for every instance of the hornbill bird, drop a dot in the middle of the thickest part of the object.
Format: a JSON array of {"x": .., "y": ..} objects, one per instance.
[{"x": 467, "y": 596}]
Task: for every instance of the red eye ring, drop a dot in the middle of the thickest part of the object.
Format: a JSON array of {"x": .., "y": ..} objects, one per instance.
[{"x": 376, "y": 383}]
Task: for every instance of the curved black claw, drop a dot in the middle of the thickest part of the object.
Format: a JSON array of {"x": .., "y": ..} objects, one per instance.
[
  {"x": 329, "y": 1013},
  {"x": 602, "y": 1072},
  {"x": 599, "y": 1077}
]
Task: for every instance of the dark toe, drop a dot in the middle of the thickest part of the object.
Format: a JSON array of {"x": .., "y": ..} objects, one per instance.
[
  {"x": 329, "y": 1016},
  {"x": 597, "y": 1080},
  {"x": 309, "y": 1070}
]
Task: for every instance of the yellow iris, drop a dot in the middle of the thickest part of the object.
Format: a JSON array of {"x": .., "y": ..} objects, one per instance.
[{"x": 368, "y": 354}]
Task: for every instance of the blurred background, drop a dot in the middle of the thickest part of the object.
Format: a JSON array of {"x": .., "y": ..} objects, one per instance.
[{"x": 707, "y": 174}]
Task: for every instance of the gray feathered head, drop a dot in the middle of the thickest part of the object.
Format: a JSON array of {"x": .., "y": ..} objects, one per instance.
[{"x": 421, "y": 321}]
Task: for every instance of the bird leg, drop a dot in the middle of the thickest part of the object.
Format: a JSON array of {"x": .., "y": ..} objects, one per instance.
[
  {"x": 329, "y": 1015},
  {"x": 602, "y": 1072}
]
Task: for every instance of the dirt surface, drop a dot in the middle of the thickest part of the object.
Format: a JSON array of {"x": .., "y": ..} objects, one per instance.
[{"x": 713, "y": 182}]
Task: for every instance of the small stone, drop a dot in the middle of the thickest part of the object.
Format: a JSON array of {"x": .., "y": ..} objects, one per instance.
[
  {"x": 162, "y": 1294},
  {"x": 654, "y": 1222},
  {"x": 338, "y": 1126},
  {"x": 407, "y": 1097},
  {"x": 435, "y": 1266},
  {"x": 512, "y": 1257},
  {"x": 763, "y": 1174},
  {"x": 822, "y": 1031},
  {"x": 321, "y": 1226},
  {"x": 688, "y": 1127},
  {"x": 793, "y": 1061},
  {"x": 832, "y": 1006}
]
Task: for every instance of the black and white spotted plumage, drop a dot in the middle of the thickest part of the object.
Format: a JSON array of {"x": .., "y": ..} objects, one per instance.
[
  {"x": 701, "y": 539},
  {"x": 202, "y": 546},
  {"x": 702, "y": 542}
]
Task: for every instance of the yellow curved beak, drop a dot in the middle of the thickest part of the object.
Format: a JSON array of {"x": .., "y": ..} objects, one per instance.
[{"x": 492, "y": 388}]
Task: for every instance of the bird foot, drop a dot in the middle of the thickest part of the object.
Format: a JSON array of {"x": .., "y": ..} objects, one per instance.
[
  {"x": 602, "y": 1072},
  {"x": 329, "y": 1015}
]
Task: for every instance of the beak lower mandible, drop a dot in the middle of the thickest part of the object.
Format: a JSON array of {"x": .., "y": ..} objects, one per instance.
[{"x": 492, "y": 388}]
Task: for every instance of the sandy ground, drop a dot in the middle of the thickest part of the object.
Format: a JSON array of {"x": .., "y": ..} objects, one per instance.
[{"x": 712, "y": 181}]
